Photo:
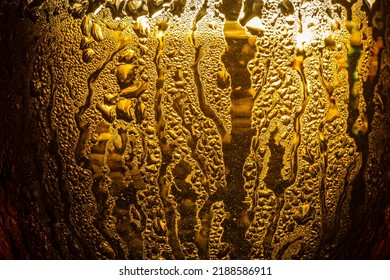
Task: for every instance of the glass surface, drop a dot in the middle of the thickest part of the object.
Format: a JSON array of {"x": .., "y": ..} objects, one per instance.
[{"x": 195, "y": 129}]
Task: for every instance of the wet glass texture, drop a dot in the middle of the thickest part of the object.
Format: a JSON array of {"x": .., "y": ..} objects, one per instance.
[{"x": 195, "y": 129}]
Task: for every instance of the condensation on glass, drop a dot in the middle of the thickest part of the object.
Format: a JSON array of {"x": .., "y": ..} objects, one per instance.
[{"x": 199, "y": 129}]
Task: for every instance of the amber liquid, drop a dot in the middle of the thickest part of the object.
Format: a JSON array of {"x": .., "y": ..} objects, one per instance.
[{"x": 206, "y": 129}]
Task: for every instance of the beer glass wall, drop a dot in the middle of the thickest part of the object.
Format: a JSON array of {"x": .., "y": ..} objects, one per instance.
[{"x": 195, "y": 129}]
